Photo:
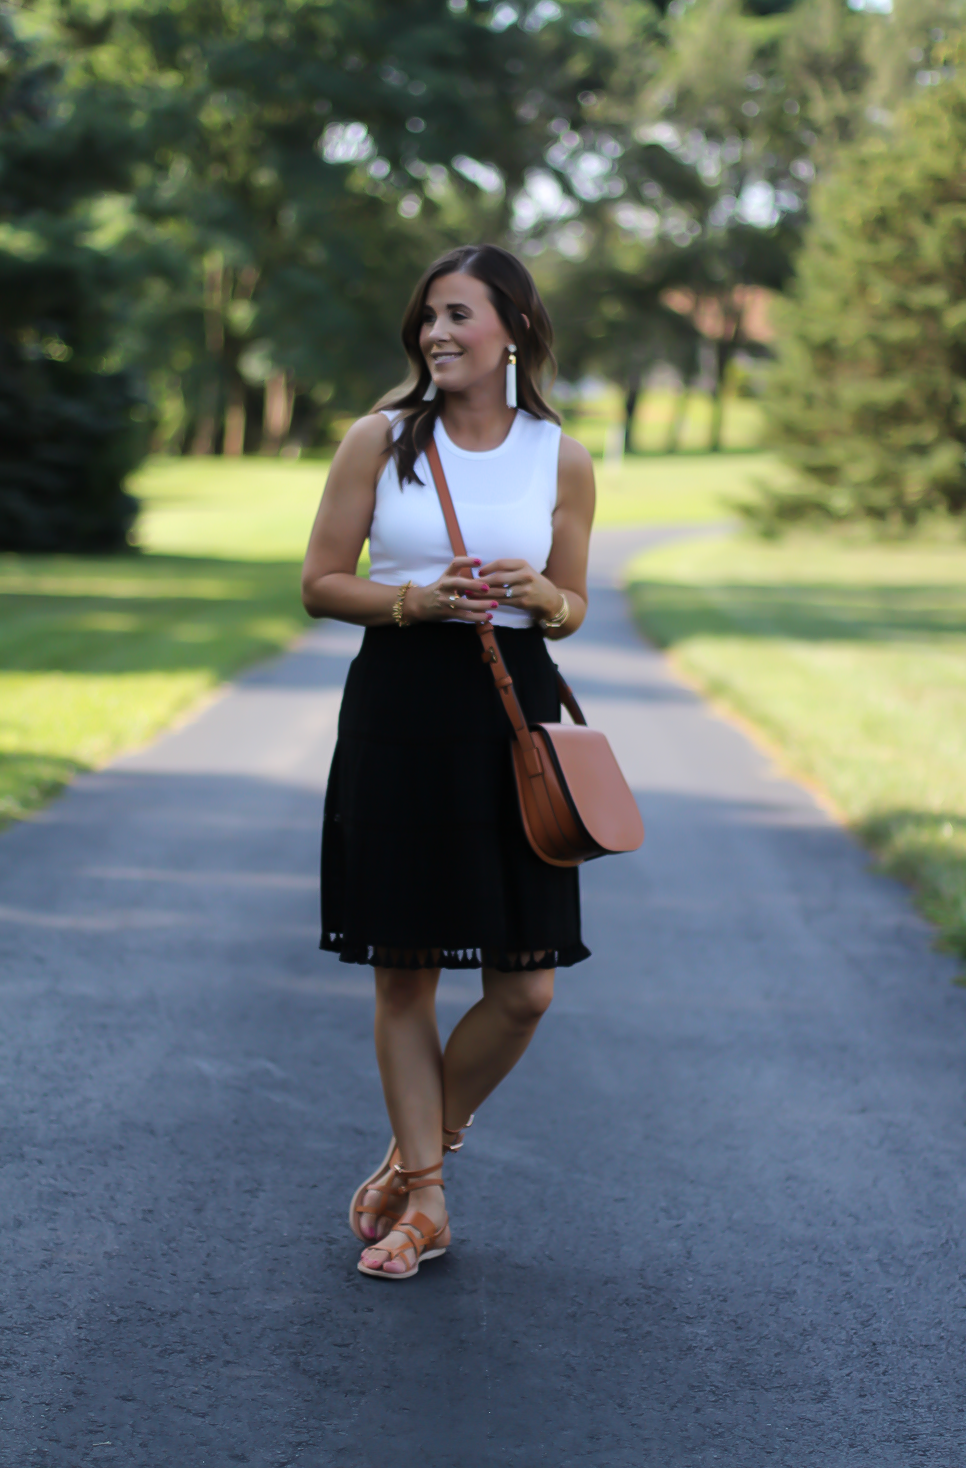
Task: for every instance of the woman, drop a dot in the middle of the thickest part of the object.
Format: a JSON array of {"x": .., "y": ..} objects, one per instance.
[{"x": 424, "y": 862}]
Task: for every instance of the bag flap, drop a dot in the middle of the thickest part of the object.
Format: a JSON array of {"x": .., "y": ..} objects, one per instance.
[{"x": 598, "y": 791}]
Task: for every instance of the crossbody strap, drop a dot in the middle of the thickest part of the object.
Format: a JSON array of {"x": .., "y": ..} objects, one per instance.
[{"x": 491, "y": 650}]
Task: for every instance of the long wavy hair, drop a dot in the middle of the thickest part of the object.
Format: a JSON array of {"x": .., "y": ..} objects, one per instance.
[{"x": 511, "y": 288}]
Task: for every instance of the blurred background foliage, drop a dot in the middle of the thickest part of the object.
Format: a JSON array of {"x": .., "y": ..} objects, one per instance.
[{"x": 212, "y": 213}]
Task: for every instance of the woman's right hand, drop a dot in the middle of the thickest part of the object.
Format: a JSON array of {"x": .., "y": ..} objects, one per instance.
[{"x": 455, "y": 596}]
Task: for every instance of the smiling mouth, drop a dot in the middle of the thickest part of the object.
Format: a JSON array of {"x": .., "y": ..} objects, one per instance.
[{"x": 443, "y": 357}]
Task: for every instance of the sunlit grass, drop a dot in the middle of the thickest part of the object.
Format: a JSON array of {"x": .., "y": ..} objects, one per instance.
[
  {"x": 96, "y": 656},
  {"x": 851, "y": 658},
  {"x": 678, "y": 489},
  {"x": 239, "y": 509}
]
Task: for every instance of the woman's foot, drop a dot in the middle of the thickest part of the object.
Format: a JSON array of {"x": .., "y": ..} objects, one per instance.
[
  {"x": 380, "y": 1199},
  {"x": 377, "y": 1223},
  {"x": 429, "y": 1202},
  {"x": 383, "y": 1199}
]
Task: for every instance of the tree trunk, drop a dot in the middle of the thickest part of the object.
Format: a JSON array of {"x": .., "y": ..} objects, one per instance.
[
  {"x": 203, "y": 439},
  {"x": 724, "y": 351},
  {"x": 630, "y": 408},
  {"x": 717, "y": 398},
  {"x": 279, "y": 398},
  {"x": 234, "y": 444},
  {"x": 677, "y": 420}
]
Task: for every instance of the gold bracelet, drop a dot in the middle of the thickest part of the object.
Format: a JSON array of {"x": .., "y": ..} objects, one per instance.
[
  {"x": 558, "y": 618},
  {"x": 397, "y": 611}
]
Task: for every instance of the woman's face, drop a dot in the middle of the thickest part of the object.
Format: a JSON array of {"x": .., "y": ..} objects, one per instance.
[{"x": 462, "y": 337}]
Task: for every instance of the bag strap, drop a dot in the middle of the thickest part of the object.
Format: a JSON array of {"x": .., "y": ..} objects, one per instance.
[{"x": 491, "y": 649}]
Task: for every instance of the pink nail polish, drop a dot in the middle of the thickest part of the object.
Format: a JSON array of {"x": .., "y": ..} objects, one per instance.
[{"x": 494, "y": 605}]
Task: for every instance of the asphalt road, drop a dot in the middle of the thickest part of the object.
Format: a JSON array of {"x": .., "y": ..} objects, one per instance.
[{"x": 715, "y": 1216}]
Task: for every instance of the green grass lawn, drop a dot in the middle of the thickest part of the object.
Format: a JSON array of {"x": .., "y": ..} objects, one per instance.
[
  {"x": 239, "y": 509},
  {"x": 98, "y": 655},
  {"x": 678, "y": 489},
  {"x": 851, "y": 659}
]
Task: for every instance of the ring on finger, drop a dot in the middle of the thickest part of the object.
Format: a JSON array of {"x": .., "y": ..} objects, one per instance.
[
  {"x": 509, "y": 591},
  {"x": 452, "y": 600}
]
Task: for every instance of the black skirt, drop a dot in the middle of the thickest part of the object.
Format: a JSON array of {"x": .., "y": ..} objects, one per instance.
[{"x": 424, "y": 860}]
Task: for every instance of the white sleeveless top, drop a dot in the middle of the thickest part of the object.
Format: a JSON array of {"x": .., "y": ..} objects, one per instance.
[{"x": 504, "y": 500}]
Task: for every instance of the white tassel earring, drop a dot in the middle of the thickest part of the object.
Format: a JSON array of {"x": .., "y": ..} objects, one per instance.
[
  {"x": 430, "y": 392},
  {"x": 511, "y": 377}
]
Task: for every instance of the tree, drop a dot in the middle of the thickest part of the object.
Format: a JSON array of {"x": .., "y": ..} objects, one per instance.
[
  {"x": 673, "y": 226},
  {"x": 611, "y": 320},
  {"x": 867, "y": 402},
  {"x": 323, "y": 151},
  {"x": 72, "y": 422}
]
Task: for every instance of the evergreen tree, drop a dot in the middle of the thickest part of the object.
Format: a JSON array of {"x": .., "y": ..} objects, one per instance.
[
  {"x": 71, "y": 420},
  {"x": 867, "y": 401}
]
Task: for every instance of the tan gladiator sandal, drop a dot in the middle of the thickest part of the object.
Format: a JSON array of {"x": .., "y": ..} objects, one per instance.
[
  {"x": 392, "y": 1201},
  {"x": 457, "y": 1132},
  {"x": 422, "y": 1235}
]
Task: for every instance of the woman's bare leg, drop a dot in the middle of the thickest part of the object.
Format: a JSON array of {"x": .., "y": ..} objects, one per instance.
[
  {"x": 491, "y": 1037},
  {"x": 410, "y": 1064},
  {"x": 483, "y": 1048}
]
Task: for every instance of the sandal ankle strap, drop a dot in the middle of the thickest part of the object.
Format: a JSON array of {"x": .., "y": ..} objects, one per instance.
[
  {"x": 412, "y": 1179},
  {"x": 457, "y": 1132}
]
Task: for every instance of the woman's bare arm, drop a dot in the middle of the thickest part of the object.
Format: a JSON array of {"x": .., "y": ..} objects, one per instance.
[
  {"x": 539, "y": 592},
  {"x": 572, "y": 520},
  {"x": 330, "y": 586}
]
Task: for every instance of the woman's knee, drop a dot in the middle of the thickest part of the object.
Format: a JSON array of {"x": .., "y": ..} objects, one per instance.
[
  {"x": 523, "y": 998},
  {"x": 402, "y": 990}
]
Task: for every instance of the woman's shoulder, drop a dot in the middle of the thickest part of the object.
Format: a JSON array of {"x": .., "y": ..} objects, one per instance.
[
  {"x": 575, "y": 456},
  {"x": 575, "y": 476},
  {"x": 370, "y": 434},
  {"x": 373, "y": 427},
  {"x": 365, "y": 447}
]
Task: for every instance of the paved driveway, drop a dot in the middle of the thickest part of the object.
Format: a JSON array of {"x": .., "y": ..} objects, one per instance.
[{"x": 715, "y": 1217}]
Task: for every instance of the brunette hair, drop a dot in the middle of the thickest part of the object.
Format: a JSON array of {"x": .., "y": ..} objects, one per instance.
[{"x": 514, "y": 295}]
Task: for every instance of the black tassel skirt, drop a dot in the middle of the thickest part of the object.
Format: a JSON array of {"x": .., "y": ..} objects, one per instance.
[{"x": 424, "y": 860}]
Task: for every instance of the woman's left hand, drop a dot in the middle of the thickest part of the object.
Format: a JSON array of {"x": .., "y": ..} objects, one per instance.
[{"x": 517, "y": 584}]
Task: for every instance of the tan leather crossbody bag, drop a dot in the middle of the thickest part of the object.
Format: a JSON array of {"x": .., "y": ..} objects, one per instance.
[{"x": 574, "y": 801}]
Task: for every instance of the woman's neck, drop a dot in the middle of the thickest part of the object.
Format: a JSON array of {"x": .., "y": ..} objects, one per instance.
[{"x": 478, "y": 418}]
